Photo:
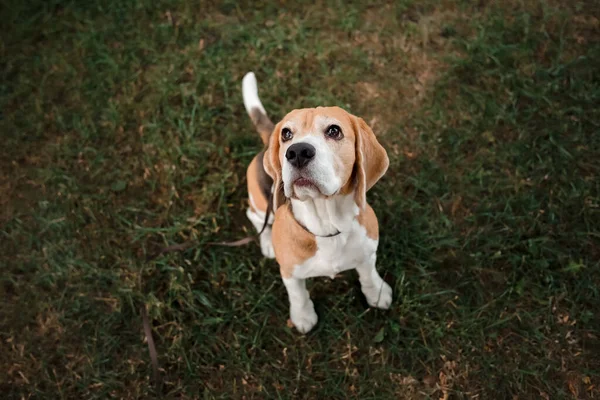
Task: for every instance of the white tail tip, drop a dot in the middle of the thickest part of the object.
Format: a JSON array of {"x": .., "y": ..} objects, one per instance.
[{"x": 250, "y": 93}]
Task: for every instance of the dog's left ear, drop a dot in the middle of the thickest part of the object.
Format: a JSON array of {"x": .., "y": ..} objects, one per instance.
[
  {"x": 272, "y": 167},
  {"x": 371, "y": 161}
]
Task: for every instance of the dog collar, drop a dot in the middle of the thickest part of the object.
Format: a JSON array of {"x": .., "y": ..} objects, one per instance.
[{"x": 314, "y": 234}]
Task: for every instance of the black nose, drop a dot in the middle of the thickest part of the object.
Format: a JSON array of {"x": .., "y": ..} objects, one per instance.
[{"x": 300, "y": 154}]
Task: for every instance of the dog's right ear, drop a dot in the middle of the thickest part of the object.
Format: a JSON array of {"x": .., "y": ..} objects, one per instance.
[{"x": 272, "y": 165}]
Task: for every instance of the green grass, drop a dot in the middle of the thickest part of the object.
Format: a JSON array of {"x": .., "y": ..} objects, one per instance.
[{"x": 123, "y": 132}]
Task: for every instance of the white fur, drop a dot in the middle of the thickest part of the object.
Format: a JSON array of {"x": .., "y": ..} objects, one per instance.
[
  {"x": 351, "y": 249},
  {"x": 258, "y": 219},
  {"x": 320, "y": 170},
  {"x": 326, "y": 216},
  {"x": 302, "y": 309},
  {"x": 348, "y": 250},
  {"x": 377, "y": 292},
  {"x": 250, "y": 93}
]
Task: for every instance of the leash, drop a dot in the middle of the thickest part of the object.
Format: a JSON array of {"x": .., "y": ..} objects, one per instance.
[
  {"x": 182, "y": 247},
  {"x": 151, "y": 346},
  {"x": 237, "y": 243},
  {"x": 251, "y": 238}
]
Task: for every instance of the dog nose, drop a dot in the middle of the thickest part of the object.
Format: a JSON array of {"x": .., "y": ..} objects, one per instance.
[{"x": 300, "y": 154}]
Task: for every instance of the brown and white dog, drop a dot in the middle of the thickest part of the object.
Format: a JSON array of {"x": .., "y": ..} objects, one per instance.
[{"x": 317, "y": 168}]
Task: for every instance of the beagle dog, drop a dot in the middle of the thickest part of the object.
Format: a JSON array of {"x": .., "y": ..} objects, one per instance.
[{"x": 309, "y": 186}]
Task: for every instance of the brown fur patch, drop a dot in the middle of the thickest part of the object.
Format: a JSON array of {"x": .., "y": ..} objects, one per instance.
[
  {"x": 350, "y": 184},
  {"x": 292, "y": 243},
  {"x": 256, "y": 184},
  {"x": 371, "y": 161},
  {"x": 368, "y": 219}
]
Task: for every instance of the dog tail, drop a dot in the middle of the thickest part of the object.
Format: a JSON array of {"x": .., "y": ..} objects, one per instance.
[{"x": 254, "y": 107}]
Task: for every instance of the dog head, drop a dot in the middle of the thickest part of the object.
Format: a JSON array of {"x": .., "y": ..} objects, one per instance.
[{"x": 322, "y": 152}]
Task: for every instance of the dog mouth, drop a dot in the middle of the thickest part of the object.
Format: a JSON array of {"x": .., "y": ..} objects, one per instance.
[{"x": 304, "y": 182}]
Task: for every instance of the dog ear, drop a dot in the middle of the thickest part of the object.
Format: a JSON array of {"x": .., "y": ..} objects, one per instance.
[
  {"x": 371, "y": 161},
  {"x": 272, "y": 166}
]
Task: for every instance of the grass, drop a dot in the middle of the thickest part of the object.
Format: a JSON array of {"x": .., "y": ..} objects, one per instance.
[{"x": 124, "y": 131}]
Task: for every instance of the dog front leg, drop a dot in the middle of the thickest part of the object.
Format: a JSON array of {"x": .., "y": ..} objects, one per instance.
[
  {"x": 375, "y": 289},
  {"x": 302, "y": 309}
]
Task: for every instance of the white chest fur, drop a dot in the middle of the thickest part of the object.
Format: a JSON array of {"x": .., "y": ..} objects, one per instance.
[{"x": 348, "y": 250}]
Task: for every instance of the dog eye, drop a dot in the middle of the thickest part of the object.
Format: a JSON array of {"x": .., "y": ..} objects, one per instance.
[
  {"x": 286, "y": 134},
  {"x": 334, "y": 132}
]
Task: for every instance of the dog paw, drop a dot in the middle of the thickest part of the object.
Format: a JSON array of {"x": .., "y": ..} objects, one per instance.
[
  {"x": 379, "y": 297},
  {"x": 304, "y": 319}
]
